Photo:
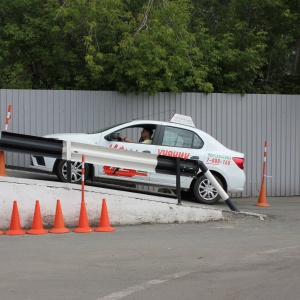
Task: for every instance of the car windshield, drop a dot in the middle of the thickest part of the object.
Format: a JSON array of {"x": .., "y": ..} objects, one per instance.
[{"x": 106, "y": 128}]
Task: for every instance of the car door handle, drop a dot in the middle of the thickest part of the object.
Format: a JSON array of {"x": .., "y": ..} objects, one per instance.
[
  {"x": 147, "y": 151},
  {"x": 194, "y": 157}
]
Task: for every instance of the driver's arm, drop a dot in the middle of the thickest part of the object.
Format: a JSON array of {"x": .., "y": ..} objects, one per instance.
[{"x": 124, "y": 139}]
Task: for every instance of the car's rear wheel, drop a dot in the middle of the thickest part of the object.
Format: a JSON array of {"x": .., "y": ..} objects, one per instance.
[
  {"x": 76, "y": 171},
  {"x": 205, "y": 192}
]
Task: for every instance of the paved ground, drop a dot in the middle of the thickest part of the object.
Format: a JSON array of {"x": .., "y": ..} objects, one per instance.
[
  {"x": 283, "y": 208},
  {"x": 242, "y": 258}
]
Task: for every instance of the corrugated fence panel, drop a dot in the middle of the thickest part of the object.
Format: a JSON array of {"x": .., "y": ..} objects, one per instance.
[
  {"x": 241, "y": 123},
  {"x": 296, "y": 149}
]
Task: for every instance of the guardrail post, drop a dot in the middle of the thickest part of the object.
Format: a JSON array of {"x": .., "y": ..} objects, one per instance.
[
  {"x": 217, "y": 186},
  {"x": 69, "y": 173},
  {"x": 82, "y": 177},
  {"x": 178, "y": 189}
]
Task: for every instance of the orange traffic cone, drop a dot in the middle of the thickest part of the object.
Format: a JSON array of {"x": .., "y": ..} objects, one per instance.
[
  {"x": 59, "y": 225},
  {"x": 104, "y": 224},
  {"x": 83, "y": 223},
  {"x": 15, "y": 225},
  {"x": 37, "y": 224},
  {"x": 2, "y": 164},
  {"x": 262, "y": 198}
]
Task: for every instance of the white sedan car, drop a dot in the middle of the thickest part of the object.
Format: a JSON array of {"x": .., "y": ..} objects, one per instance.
[{"x": 167, "y": 138}]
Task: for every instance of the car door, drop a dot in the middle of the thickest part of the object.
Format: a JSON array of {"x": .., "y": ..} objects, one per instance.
[
  {"x": 178, "y": 142},
  {"x": 131, "y": 133}
]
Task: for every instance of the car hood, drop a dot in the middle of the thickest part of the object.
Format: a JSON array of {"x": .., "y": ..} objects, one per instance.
[{"x": 75, "y": 137}]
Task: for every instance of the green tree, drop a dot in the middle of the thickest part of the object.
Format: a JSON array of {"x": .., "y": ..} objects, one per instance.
[
  {"x": 237, "y": 52},
  {"x": 31, "y": 48},
  {"x": 57, "y": 44},
  {"x": 257, "y": 44},
  {"x": 160, "y": 54},
  {"x": 278, "y": 19},
  {"x": 236, "y": 46}
]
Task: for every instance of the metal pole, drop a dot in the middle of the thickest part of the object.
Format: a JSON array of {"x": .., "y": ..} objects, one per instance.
[
  {"x": 69, "y": 173},
  {"x": 178, "y": 189},
  {"x": 217, "y": 186},
  {"x": 82, "y": 179},
  {"x": 265, "y": 162}
]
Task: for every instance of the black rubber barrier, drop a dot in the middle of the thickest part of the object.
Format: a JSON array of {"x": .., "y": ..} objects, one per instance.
[
  {"x": 179, "y": 167},
  {"x": 29, "y": 144},
  {"x": 217, "y": 186},
  {"x": 168, "y": 165}
]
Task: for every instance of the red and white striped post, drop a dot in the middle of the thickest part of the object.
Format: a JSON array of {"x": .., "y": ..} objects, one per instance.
[
  {"x": 262, "y": 198},
  {"x": 82, "y": 179},
  {"x": 2, "y": 156},
  {"x": 264, "y": 162},
  {"x": 83, "y": 222},
  {"x": 8, "y": 117}
]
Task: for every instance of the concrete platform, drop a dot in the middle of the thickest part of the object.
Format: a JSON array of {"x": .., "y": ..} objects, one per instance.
[{"x": 124, "y": 208}]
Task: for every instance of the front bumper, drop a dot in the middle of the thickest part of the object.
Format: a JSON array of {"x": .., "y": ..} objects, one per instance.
[{"x": 42, "y": 163}]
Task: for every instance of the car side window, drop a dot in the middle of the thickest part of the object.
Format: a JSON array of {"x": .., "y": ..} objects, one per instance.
[
  {"x": 198, "y": 142},
  {"x": 178, "y": 137}
]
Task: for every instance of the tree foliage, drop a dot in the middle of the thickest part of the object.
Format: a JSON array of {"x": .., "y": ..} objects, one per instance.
[{"x": 231, "y": 46}]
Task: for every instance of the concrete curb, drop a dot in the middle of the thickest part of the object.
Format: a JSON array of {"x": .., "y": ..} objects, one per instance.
[{"x": 124, "y": 208}]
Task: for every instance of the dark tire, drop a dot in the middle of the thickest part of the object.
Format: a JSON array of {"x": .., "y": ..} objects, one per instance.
[
  {"x": 204, "y": 192},
  {"x": 76, "y": 171}
]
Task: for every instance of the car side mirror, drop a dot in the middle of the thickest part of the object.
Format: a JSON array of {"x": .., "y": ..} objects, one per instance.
[{"x": 112, "y": 136}]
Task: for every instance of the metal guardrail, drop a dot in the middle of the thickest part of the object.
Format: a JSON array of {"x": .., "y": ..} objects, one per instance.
[
  {"x": 94, "y": 154},
  {"x": 23, "y": 143}
]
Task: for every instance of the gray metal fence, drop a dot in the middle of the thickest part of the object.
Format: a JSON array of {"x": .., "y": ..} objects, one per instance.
[{"x": 241, "y": 123}]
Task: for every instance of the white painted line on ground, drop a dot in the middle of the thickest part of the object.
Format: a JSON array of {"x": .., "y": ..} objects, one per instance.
[
  {"x": 280, "y": 250},
  {"x": 148, "y": 284},
  {"x": 145, "y": 285}
]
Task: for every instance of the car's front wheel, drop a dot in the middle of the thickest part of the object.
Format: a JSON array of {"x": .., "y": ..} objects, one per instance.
[
  {"x": 76, "y": 171},
  {"x": 204, "y": 192}
]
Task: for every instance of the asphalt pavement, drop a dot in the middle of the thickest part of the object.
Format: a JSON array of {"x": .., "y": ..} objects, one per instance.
[{"x": 242, "y": 258}]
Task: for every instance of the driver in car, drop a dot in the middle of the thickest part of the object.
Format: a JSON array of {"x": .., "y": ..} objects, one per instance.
[{"x": 146, "y": 134}]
